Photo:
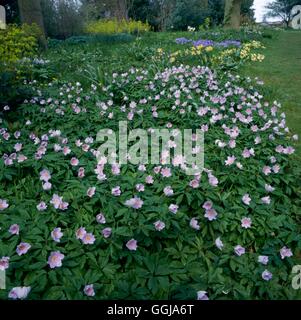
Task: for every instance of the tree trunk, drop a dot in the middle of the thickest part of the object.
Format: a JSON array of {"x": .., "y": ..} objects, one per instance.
[
  {"x": 232, "y": 14},
  {"x": 30, "y": 13},
  {"x": 121, "y": 10}
]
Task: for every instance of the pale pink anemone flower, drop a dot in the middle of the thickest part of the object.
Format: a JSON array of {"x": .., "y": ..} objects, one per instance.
[
  {"x": 4, "y": 263},
  {"x": 195, "y": 183},
  {"x": 246, "y": 222},
  {"x": 142, "y": 167},
  {"x": 66, "y": 150},
  {"x": 47, "y": 186},
  {"x": 149, "y": 180},
  {"x": 269, "y": 188},
  {"x": 173, "y": 208},
  {"x": 232, "y": 144},
  {"x": 247, "y": 153},
  {"x": 166, "y": 172},
  {"x": 285, "y": 252},
  {"x": 157, "y": 169},
  {"x": 194, "y": 224},
  {"x": 56, "y": 201},
  {"x": 45, "y": 175},
  {"x": 19, "y": 293},
  {"x": 230, "y": 161},
  {"x": 89, "y": 290},
  {"x": 140, "y": 187},
  {"x": 219, "y": 244},
  {"x": 22, "y": 248},
  {"x": 106, "y": 232},
  {"x": 91, "y": 192},
  {"x": 14, "y": 229},
  {"x": 42, "y": 206},
  {"x": 239, "y": 165},
  {"x": 246, "y": 199},
  {"x": 100, "y": 218},
  {"x": 116, "y": 191},
  {"x": 159, "y": 225},
  {"x": 132, "y": 245},
  {"x": 81, "y": 172},
  {"x": 21, "y": 158},
  {"x": 266, "y": 170},
  {"x": 135, "y": 203},
  {"x": 80, "y": 233},
  {"x": 168, "y": 191},
  {"x": 239, "y": 250},
  {"x": 210, "y": 214},
  {"x": 276, "y": 168},
  {"x": 213, "y": 181},
  {"x": 208, "y": 205},
  {"x": 115, "y": 169},
  {"x": 74, "y": 162},
  {"x": 56, "y": 234},
  {"x": 88, "y": 238},
  {"x": 3, "y": 204},
  {"x": 266, "y": 200},
  {"x": 202, "y": 295},
  {"x": 18, "y": 147},
  {"x": 263, "y": 260},
  {"x": 267, "y": 275},
  {"x": 55, "y": 259}
]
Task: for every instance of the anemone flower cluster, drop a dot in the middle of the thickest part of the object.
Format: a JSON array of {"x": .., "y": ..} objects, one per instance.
[{"x": 93, "y": 221}]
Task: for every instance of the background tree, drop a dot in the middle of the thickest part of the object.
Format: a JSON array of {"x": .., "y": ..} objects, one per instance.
[
  {"x": 232, "y": 14},
  {"x": 216, "y": 11},
  {"x": 31, "y": 13},
  {"x": 187, "y": 13},
  {"x": 96, "y": 9},
  {"x": 62, "y": 18},
  {"x": 247, "y": 10},
  {"x": 282, "y": 9}
]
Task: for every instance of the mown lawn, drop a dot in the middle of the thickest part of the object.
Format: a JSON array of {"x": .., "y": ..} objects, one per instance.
[{"x": 281, "y": 72}]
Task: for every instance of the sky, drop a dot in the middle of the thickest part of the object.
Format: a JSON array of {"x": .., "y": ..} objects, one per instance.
[{"x": 259, "y": 8}]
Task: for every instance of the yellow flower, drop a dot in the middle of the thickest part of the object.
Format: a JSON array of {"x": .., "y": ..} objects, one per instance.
[
  {"x": 209, "y": 49},
  {"x": 172, "y": 59}
]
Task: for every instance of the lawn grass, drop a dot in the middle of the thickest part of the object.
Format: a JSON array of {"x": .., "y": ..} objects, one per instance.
[{"x": 281, "y": 72}]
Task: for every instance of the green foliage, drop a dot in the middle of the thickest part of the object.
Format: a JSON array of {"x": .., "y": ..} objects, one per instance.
[
  {"x": 187, "y": 13},
  {"x": 115, "y": 26},
  {"x": 62, "y": 19},
  {"x": 17, "y": 43},
  {"x": 178, "y": 261},
  {"x": 174, "y": 263}
]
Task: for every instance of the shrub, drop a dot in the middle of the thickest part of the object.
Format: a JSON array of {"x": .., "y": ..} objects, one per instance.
[
  {"x": 115, "y": 26},
  {"x": 17, "y": 43}
]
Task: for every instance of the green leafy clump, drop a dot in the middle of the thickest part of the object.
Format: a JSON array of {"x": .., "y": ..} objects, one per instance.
[{"x": 195, "y": 249}]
